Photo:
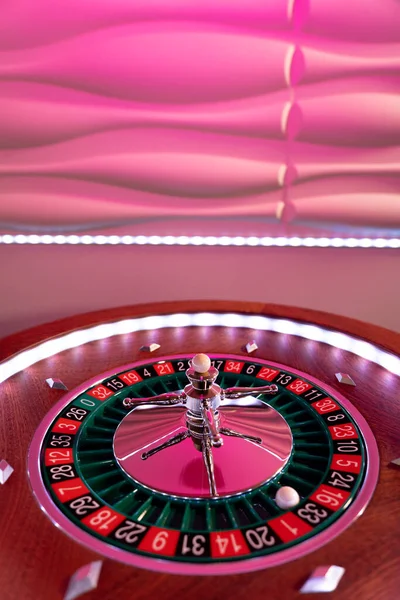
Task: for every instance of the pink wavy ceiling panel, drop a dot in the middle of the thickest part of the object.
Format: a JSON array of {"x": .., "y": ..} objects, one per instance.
[{"x": 283, "y": 114}]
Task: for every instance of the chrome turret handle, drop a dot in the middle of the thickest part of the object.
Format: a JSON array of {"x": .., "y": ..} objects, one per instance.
[
  {"x": 202, "y": 398},
  {"x": 168, "y": 399},
  {"x": 238, "y": 392}
]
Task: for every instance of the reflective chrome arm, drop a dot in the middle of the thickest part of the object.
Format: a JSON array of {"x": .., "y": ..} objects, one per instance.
[
  {"x": 176, "y": 439},
  {"x": 167, "y": 399},
  {"x": 233, "y": 393},
  {"x": 209, "y": 464},
  {"x": 237, "y": 392},
  {"x": 244, "y": 436}
]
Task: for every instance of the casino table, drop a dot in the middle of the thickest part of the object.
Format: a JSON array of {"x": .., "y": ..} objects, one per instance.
[{"x": 81, "y": 491}]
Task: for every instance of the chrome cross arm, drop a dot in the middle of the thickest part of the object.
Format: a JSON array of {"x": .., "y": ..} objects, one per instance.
[
  {"x": 238, "y": 392},
  {"x": 168, "y": 399}
]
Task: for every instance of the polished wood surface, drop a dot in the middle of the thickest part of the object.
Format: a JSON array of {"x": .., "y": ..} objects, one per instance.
[{"x": 37, "y": 559}]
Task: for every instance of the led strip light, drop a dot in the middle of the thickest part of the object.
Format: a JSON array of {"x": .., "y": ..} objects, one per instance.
[
  {"x": 366, "y": 350},
  {"x": 199, "y": 240}
]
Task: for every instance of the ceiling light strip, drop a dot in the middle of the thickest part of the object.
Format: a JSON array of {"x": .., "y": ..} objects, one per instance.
[
  {"x": 361, "y": 348},
  {"x": 198, "y": 240}
]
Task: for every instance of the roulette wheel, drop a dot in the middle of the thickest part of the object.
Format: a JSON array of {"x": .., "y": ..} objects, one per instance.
[{"x": 177, "y": 454}]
